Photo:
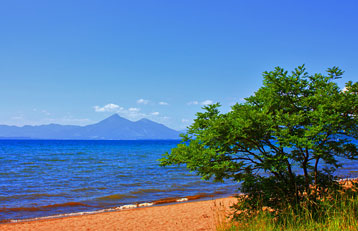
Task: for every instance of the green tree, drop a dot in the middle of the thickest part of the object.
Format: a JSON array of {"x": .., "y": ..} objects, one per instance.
[{"x": 284, "y": 142}]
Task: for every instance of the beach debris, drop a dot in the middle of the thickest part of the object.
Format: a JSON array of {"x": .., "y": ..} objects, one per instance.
[{"x": 182, "y": 199}]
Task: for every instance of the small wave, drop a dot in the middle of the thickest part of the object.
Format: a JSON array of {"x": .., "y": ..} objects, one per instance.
[
  {"x": 68, "y": 204},
  {"x": 219, "y": 192},
  {"x": 176, "y": 199},
  {"x": 87, "y": 189},
  {"x": 54, "y": 160},
  {"x": 5, "y": 221},
  {"x": 43, "y": 208},
  {"x": 187, "y": 174},
  {"x": 29, "y": 196},
  {"x": 78, "y": 213},
  {"x": 131, "y": 184},
  {"x": 149, "y": 190},
  {"x": 115, "y": 197},
  {"x": 129, "y": 206},
  {"x": 166, "y": 200},
  {"x": 348, "y": 168},
  {"x": 198, "y": 196},
  {"x": 122, "y": 175}
]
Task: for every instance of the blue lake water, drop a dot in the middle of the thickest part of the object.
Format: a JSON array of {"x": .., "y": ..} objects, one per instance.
[{"x": 47, "y": 177}]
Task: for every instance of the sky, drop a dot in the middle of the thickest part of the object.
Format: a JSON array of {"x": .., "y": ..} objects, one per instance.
[{"x": 78, "y": 62}]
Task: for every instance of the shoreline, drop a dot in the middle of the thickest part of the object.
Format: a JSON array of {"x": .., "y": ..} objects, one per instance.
[
  {"x": 136, "y": 205},
  {"x": 195, "y": 214}
]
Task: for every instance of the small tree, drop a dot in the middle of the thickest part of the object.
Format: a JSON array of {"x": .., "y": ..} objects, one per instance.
[{"x": 284, "y": 142}]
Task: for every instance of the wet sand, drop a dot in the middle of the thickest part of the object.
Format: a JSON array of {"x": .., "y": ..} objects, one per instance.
[{"x": 186, "y": 216}]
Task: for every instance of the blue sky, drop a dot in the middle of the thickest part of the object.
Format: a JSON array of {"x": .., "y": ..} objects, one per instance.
[{"x": 77, "y": 62}]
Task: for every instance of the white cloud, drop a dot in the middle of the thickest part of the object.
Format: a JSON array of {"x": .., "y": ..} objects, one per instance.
[
  {"x": 72, "y": 120},
  {"x": 344, "y": 89},
  {"x": 108, "y": 108},
  {"x": 133, "y": 109},
  {"x": 163, "y": 103},
  {"x": 21, "y": 120},
  {"x": 142, "y": 101},
  {"x": 132, "y": 113},
  {"x": 46, "y": 112},
  {"x": 18, "y": 117},
  {"x": 185, "y": 121},
  {"x": 207, "y": 102},
  {"x": 160, "y": 119},
  {"x": 193, "y": 103}
]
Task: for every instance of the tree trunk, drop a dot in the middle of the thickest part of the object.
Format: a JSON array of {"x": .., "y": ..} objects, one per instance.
[
  {"x": 305, "y": 172},
  {"x": 316, "y": 176},
  {"x": 293, "y": 181}
]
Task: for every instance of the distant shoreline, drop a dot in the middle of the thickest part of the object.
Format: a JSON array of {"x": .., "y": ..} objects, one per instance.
[
  {"x": 25, "y": 138},
  {"x": 114, "y": 127}
]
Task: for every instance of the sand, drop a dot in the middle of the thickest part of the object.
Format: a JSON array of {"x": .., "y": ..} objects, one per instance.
[{"x": 195, "y": 215}]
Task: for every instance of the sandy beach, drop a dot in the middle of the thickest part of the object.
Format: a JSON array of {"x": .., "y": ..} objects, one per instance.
[{"x": 194, "y": 215}]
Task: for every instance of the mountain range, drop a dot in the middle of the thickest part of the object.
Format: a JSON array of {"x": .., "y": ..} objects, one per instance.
[{"x": 111, "y": 128}]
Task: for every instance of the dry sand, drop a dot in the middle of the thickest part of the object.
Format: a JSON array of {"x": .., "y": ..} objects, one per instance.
[{"x": 196, "y": 215}]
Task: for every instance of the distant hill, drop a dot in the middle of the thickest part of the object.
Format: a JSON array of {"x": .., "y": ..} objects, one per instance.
[{"x": 112, "y": 128}]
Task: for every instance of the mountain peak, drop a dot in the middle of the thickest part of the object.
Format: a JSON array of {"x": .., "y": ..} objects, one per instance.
[
  {"x": 113, "y": 127},
  {"x": 115, "y": 115},
  {"x": 144, "y": 120},
  {"x": 113, "y": 119}
]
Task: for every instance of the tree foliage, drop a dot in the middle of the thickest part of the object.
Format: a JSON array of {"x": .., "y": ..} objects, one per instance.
[{"x": 283, "y": 142}]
